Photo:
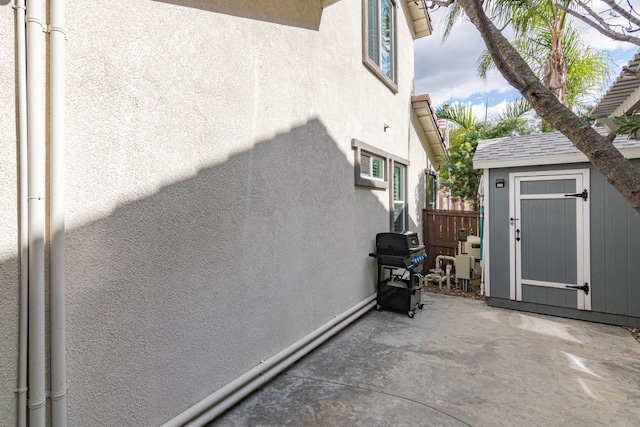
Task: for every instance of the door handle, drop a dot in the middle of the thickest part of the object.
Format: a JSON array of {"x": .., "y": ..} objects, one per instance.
[
  {"x": 584, "y": 288},
  {"x": 518, "y": 235}
]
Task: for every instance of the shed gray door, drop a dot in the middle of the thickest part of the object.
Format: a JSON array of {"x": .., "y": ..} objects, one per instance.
[{"x": 550, "y": 238}]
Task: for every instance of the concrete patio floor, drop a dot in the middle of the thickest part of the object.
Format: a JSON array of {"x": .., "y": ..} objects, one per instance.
[{"x": 458, "y": 362}]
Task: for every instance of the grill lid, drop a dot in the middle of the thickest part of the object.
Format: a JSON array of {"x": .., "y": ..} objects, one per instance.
[{"x": 397, "y": 243}]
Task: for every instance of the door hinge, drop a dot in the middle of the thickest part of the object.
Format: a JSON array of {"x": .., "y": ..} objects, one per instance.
[
  {"x": 584, "y": 195},
  {"x": 584, "y": 288}
]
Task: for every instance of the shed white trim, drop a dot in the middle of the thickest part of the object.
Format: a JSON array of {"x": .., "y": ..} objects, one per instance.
[
  {"x": 583, "y": 237},
  {"x": 486, "y": 261}
]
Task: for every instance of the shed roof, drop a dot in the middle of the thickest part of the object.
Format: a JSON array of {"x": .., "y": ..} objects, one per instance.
[{"x": 550, "y": 148}]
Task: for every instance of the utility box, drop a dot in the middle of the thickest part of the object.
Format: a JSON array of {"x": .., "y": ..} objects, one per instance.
[
  {"x": 464, "y": 265},
  {"x": 471, "y": 247}
]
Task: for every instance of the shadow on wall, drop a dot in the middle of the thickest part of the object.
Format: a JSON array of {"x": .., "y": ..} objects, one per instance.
[
  {"x": 295, "y": 13},
  {"x": 172, "y": 296}
]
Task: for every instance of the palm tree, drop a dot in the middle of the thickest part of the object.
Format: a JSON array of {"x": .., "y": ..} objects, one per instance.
[
  {"x": 462, "y": 115},
  {"x": 458, "y": 175},
  {"x": 458, "y": 114},
  {"x": 586, "y": 68},
  {"x": 547, "y": 41},
  {"x": 516, "y": 109}
]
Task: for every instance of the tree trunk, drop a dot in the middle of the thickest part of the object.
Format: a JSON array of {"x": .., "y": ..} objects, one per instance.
[
  {"x": 617, "y": 170},
  {"x": 555, "y": 77}
]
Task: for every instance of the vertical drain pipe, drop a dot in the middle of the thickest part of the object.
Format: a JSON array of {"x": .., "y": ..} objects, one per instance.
[
  {"x": 56, "y": 213},
  {"x": 21, "y": 65},
  {"x": 37, "y": 164}
]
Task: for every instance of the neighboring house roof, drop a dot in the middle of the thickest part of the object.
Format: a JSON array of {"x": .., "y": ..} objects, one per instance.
[
  {"x": 550, "y": 148},
  {"x": 418, "y": 14},
  {"x": 621, "y": 98},
  {"x": 426, "y": 117}
]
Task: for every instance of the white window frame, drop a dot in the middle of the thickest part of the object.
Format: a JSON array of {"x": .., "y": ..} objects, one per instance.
[
  {"x": 431, "y": 182},
  {"x": 367, "y": 171},
  {"x": 399, "y": 197},
  {"x": 372, "y": 28},
  {"x": 364, "y": 180}
]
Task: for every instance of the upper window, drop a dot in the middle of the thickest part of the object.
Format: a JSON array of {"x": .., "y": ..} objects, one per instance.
[{"x": 379, "y": 39}]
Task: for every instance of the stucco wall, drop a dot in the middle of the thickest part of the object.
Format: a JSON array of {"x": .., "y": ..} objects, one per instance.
[
  {"x": 9, "y": 264},
  {"x": 416, "y": 176},
  {"x": 212, "y": 216}
]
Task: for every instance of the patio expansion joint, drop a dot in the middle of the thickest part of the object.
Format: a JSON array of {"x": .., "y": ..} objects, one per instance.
[{"x": 377, "y": 392}]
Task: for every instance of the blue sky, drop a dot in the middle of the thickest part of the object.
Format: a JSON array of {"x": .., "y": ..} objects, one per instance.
[{"x": 447, "y": 71}]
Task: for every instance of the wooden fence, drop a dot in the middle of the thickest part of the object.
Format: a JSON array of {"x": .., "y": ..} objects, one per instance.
[{"x": 440, "y": 228}]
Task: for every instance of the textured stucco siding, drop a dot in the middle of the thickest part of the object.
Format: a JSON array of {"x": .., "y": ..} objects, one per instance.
[
  {"x": 416, "y": 175},
  {"x": 211, "y": 214},
  {"x": 9, "y": 261}
]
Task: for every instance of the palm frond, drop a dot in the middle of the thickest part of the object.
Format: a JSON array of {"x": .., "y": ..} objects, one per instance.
[
  {"x": 485, "y": 64},
  {"x": 628, "y": 125},
  {"x": 516, "y": 108},
  {"x": 521, "y": 15},
  {"x": 587, "y": 68},
  {"x": 455, "y": 14},
  {"x": 460, "y": 115}
]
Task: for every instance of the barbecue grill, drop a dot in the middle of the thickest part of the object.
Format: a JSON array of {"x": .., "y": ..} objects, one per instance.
[{"x": 398, "y": 284}]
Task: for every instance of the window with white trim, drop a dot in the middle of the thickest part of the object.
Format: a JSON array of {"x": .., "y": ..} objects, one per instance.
[
  {"x": 432, "y": 190},
  {"x": 380, "y": 170},
  {"x": 372, "y": 166},
  {"x": 380, "y": 39},
  {"x": 399, "y": 198}
]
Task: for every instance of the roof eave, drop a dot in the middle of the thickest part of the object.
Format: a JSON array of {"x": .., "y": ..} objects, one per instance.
[
  {"x": 326, "y": 3},
  {"x": 420, "y": 18},
  {"x": 426, "y": 117}
]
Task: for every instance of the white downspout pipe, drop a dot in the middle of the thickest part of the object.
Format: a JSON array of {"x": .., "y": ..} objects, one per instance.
[
  {"x": 57, "y": 212},
  {"x": 268, "y": 375},
  {"x": 228, "y": 395},
  {"x": 21, "y": 65},
  {"x": 37, "y": 166}
]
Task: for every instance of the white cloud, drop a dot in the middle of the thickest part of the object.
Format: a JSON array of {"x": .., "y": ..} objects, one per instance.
[
  {"x": 481, "y": 111},
  {"x": 447, "y": 71}
]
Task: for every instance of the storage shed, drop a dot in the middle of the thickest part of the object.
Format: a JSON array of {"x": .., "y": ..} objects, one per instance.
[{"x": 558, "y": 238}]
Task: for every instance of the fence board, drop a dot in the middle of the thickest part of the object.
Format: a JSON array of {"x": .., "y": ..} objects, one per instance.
[{"x": 440, "y": 228}]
